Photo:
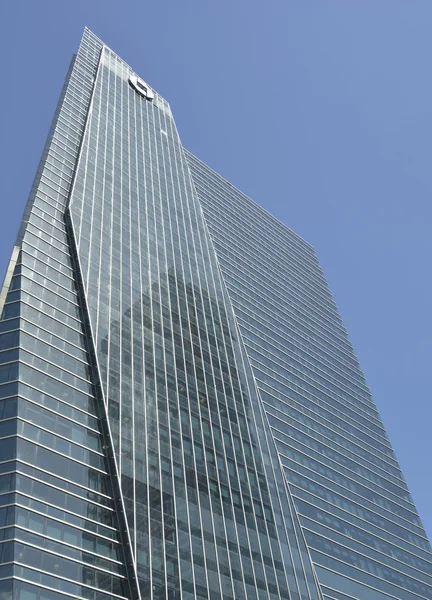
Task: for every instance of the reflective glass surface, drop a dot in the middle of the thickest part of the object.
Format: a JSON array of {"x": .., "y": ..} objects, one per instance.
[
  {"x": 60, "y": 529},
  {"x": 361, "y": 526},
  {"x": 207, "y": 506},
  {"x": 181, "y": 412}
]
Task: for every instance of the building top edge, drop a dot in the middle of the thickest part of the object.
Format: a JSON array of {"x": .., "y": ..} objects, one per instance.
[
  {"x": 249, "y": 199},
  {"x": 280, "y": 223},
  {"x": 127, "y": 66}
]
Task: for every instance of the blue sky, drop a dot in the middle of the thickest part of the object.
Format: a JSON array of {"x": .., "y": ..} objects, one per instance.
[{"x": 320, "y": 110}]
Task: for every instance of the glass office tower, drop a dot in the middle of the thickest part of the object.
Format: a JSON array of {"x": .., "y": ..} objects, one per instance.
[{"x": 181, "y": 413}]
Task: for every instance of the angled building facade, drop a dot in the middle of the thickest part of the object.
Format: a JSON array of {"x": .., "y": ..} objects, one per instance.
[{"x": 182, "y": 415}]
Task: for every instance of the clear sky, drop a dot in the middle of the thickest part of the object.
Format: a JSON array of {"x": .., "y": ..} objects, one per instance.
[{"x": 320, "y": 110}]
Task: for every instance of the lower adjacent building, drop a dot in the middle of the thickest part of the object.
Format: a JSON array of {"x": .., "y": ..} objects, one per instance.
[{"x": 182, "y": 415}]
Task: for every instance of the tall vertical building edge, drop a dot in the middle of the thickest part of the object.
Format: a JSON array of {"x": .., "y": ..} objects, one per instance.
[{"x": 182, "y": 415}]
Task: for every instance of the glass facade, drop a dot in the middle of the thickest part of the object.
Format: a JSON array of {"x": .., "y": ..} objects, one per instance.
[
  {"x": 181, "y": 413},
  {"x": 361, "y": 526}
]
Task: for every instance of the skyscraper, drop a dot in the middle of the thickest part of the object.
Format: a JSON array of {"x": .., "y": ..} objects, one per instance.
[{"x": 182, "y": 414}]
